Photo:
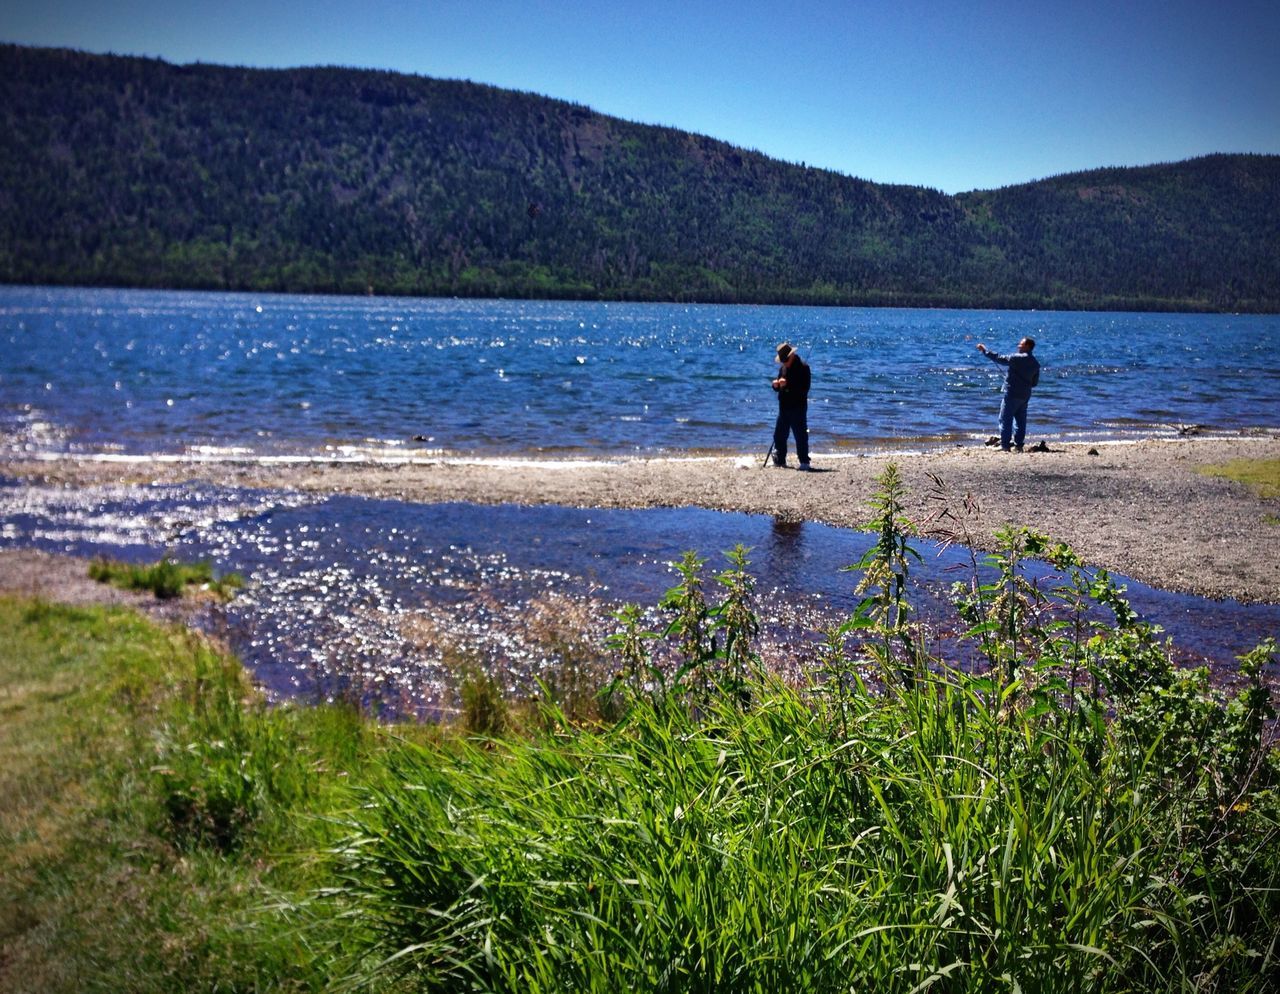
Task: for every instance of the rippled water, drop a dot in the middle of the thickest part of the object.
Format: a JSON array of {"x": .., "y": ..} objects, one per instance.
[
  {"x": 182, "y": 372},
  {"x": 375, "y": 597}
]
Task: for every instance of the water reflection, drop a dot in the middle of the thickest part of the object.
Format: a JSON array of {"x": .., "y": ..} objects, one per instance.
[
  {"x": 786, "y": 541},
  {"x": 384, "y": 600}
]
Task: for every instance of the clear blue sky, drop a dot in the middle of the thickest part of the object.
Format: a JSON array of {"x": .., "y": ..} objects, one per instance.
[{"x": 952, "y": 95}]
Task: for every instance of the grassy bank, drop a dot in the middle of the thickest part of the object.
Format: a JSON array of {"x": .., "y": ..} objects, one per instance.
[
  {"x": 1066, "y": 812},
  {"x": 154, "y": 813}
]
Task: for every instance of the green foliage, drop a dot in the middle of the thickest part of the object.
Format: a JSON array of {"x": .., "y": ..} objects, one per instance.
[
  {"x": 1079, "y": 815},
  {"x": 94, "y": 893},
  {"x": 691, "y": 621},
  {"x": 736, "y": 624},
  {"x": 166, "y": 579},
  {"x": 485, "y": 710},
  {"x": 129, "y": 171},
  {"x": 1066, "y": 811},
  {"x": 222, "y": 760},
  {"x": 942, "y": 840},
  {"x": 885, "y": 570},
  {"x": 714, "y": 643}
]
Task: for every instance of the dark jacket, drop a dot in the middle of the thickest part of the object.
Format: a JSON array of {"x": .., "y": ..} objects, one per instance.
[
  {"x": 797, "y": 375},
  {"x": 1022, "y": 372}
]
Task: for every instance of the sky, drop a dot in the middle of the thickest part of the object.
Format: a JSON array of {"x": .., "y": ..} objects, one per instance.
[{"x": 946, "y": 94}]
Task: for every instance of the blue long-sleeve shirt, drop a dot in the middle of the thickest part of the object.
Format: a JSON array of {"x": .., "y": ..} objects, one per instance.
[{"x": 1022, "y": 372}]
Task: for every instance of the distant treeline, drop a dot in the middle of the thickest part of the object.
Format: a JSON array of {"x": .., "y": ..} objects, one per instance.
[{"x": 135, "y": 172}]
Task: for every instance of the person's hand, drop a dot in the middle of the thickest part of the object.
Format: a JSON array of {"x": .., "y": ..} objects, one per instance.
[
  {"x": 779, "y": 383},
  {"x": 982, "y": 348}
]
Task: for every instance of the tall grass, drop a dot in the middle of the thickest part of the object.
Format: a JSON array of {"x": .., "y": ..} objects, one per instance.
[
  {"x": 222, "y": 762},
  {"x": 753, "y": 850},
  {"x": 1074, "y": 815},
  {"x": 1066, "y": 811}
]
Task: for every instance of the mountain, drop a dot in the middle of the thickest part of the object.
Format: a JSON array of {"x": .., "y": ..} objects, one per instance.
[{"x": 135, "y": 172}]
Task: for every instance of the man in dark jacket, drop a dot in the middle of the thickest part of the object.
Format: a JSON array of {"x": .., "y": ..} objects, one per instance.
[
  {"x": 792, "y": 387},
  {"x": 1022, "y": 372}
]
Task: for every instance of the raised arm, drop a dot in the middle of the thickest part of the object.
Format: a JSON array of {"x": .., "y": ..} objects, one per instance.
[{"x": 1003, "y": 360}]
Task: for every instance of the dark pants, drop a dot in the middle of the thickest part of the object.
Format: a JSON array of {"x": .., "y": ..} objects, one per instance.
[
  {"x": 792, "y": 419},
  {"x": 1013, "y": 421}
]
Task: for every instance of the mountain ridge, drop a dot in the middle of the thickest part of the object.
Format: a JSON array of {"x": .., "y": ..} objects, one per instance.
[{"x": 132, "y": 171}]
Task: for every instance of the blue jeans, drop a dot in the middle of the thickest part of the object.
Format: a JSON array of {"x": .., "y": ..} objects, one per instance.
[
  {"x": 791, "y": 420},
  {"x": 1013, "y": 420}
]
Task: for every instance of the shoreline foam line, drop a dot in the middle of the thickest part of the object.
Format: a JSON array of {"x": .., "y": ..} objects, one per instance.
[{"x": 239, "y": 456}]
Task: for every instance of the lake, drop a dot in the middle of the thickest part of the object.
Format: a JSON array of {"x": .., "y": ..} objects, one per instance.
[
  {"x": 348, "y": 591},
  {"x": 203, "y": 374}
]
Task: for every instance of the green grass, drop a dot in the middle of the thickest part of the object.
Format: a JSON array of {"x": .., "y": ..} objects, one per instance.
[
  {"x": 938, "y": 842},
  {"x": 154, "y": 811},
  {"x": 1262, "y": 476},
  {"x": 1071, "y": 814},
  {"x": 166, "y": 579},
  {"x": 167, "y": 833}
]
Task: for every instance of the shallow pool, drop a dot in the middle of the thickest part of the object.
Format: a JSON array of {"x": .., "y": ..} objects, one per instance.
[{"x": 383, "y": 598}]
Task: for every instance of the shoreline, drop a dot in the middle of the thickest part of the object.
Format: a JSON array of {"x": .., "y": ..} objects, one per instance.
[
  {"x": 386, "y": 453},
  {"x": 1138, "y": 508}
]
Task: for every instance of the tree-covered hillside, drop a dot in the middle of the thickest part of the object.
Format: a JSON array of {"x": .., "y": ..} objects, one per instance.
[{"x": 129, "y": 171}]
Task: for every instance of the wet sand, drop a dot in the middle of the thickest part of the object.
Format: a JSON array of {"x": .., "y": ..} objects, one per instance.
[{"x": 1141, "y": 509}]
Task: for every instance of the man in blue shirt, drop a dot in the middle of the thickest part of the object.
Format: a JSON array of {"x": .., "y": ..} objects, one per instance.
[{"x": 1022, "y": 372}]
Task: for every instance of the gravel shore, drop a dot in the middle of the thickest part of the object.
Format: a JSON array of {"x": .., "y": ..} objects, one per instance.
[{"x": 1143, "y": 509}]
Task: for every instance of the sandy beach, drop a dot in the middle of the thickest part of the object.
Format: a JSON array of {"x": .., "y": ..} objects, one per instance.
[{"x": 1143, "y": 509}]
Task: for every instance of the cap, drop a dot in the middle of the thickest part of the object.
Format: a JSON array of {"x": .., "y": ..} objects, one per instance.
[{"x": 784, "y": 350}]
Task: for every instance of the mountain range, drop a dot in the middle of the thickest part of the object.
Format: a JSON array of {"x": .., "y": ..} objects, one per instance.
[{"x": 129, "y": 171}]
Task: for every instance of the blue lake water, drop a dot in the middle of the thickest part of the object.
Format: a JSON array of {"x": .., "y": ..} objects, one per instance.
[
  {"x": 89, "y": 370},
  {"x": 347, "y": 589}
]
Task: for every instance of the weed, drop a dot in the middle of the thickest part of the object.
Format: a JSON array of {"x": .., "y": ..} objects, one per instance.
[
  {"x": 93, "y": 893},
  {"x": 885, "y": 568},
  {"x": 1075, "y": 815},
  {"x": 485, "y": 710},
  {"x": 222, "y": 760}
]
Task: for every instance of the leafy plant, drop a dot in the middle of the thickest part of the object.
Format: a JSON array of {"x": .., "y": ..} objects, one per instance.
[
  {"x": 691, "y": 621},
  {"x": 1076, "y": 815},
  {"x": 1092, "y": 818},
  {"x": 636, "y": 673},
  {"x": 885, "y": 569},
  {"x": 736, "y": 625}
]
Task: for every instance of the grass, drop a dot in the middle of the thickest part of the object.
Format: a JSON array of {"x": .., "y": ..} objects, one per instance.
[
  {"x": 755, "y": 852},
  {"x": 1077, "y": 815},
  {"x": 166, "y": 579},
  {"x": 1262, "y": 476},
  {"x": 1074, "y": 814},
  {"x": 154, "y": 810}
]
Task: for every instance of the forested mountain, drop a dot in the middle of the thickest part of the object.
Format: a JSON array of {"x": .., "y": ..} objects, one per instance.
[{"x": 135, "y": 172}]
